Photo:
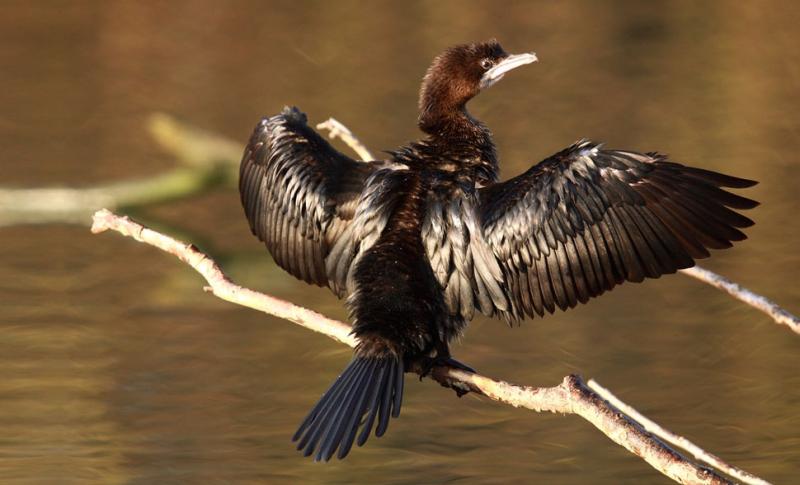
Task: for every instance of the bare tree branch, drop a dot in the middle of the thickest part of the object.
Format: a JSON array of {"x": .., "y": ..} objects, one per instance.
[
  {"x": 741, "y": 293},
  {"x": 206, "y": 160},
  {"x": 572, "y": 396},
  {"x": 679, "y": 441},
  {"x": 193, "y": 146},
  {"x": 46, "y": 205},
  {"x": 338, "y": 130}
]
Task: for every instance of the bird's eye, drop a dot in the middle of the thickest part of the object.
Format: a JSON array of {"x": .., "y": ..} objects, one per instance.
[{"x": 486, "y": 64}]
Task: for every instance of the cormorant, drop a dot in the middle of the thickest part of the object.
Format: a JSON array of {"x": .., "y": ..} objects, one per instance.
[{"x": 419, "y": 242}]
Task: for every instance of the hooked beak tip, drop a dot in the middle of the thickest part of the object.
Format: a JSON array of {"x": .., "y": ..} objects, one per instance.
[
  {"x": 511, "y": 62},
  {"x": 522, "y": 59}
]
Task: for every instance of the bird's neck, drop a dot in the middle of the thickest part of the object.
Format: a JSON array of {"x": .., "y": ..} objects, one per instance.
[{"x": 462, "y": 142}]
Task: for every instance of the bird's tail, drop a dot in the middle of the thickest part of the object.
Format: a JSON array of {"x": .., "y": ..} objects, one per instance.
[{"x": 371, "y": 386}]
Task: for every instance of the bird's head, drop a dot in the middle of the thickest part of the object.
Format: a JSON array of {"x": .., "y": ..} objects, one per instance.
[{"x": 460, "y": 73}]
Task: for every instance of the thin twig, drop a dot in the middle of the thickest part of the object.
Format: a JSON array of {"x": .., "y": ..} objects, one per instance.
[
  {"x": 572, "y": 396},
  {"x": 737, "y": 291},
  {"x": 338, "y": 130},
  {"x": 676, "y": 440}
]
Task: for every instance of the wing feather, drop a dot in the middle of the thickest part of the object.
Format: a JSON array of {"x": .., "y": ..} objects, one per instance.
[
  {"x": 461, "y": 260},
  {"x": 299, "y": 193},
  {"x": 587, "y": 219}
]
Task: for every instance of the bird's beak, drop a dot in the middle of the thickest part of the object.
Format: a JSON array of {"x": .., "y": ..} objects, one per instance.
[{"x": 511, "y": 62}]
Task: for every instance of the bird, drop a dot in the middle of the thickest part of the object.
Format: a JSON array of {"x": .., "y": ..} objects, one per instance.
[{"x": 420, "y": 242}]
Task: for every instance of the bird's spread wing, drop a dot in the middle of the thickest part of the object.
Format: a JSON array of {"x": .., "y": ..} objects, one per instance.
[
  {"x": 298, "y": 193},
  {"x": 587, "y": 219}
]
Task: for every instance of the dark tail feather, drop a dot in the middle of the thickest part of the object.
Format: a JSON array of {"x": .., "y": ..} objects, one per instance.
[{"x": 371, "y": 386}]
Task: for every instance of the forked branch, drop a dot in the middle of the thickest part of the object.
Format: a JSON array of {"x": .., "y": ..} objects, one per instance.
[{"x": 572, "y": 396}]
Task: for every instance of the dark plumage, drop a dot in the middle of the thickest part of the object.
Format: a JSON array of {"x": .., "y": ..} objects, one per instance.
[{"x": 420, "y": 242}]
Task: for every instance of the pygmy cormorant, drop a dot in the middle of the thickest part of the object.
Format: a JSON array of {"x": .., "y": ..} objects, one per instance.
[{"x": 418, "y": 242}]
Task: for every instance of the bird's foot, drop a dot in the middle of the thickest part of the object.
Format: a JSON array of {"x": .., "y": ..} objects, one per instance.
[
  {"x": 428, "y": 363},
  {"x": 445, "y": 361}
]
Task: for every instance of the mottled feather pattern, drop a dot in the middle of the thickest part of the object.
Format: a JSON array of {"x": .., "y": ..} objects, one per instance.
[
  {"x": 570, "y": 228},
  {"x": 470, "y": 155},
  {"x": 372, "y": 212},
  {"x": 458, "y": 254},
  {"x": 587, "y": 219}
]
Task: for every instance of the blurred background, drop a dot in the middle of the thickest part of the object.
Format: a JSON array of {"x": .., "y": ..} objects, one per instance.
[{"x": 115, "y": 367}]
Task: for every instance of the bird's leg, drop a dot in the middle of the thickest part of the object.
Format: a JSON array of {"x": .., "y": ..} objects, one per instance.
[
  {"x": 443, "y": 358},
  {"x": 451, "y": 362}
]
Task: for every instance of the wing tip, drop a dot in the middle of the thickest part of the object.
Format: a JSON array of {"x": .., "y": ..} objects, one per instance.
[
  {"x": 293, "y": 114},
  {"x": 720, "y": 179},
  {"x": 743, "y": 183}
]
